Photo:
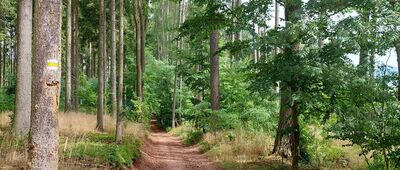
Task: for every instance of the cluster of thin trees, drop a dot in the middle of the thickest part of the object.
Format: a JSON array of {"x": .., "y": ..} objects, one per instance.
[{"x": 38, "y": 71}]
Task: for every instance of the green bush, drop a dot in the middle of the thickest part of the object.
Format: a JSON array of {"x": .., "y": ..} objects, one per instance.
[
  {"x": 101, "y": 149},
  {"x": 193, "y": 137}
]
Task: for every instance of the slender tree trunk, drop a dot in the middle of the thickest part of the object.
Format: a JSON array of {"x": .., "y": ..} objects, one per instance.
[
  {"x": 138, "y": 17},
  {"x": 46, "y": 83},
  {"x": 174, "y": 96},
  {"x": 100, "y": 95},
  {"x": 397, "y": 47},
  {"x": 113, "y": 63},
  {"x": 214, "y": 84},
  {"x": 1, "y": 64},
  {"x": 4, "y": 63},
  {"x": 68, "y": 64},
  {"x": 24, "y": 75},
  {"x": 276, "y": 23},
  {"x": 75, "y": 71},
  {"x": 121, "y": 72}
]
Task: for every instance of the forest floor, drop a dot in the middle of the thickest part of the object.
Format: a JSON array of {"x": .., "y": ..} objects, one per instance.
[{"x": 162, "y": 151}]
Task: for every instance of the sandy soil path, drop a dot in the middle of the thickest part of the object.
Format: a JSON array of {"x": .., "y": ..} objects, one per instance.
[{"x": 162, "y": 151}]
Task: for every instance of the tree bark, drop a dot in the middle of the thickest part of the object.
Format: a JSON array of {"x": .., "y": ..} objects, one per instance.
[
  {"x": 174, "y": 96},
  {"x": 24, "y": 70},
  {"x": 120, "y": 72},
  {"x": 214, "y": 84},
  {"x": 46, "y": 83},
  {"x": 295, "y": 138},
  {"x": 397, "y": 47},
  {"x": 68, "y": 59},
  {"x": 75, "y": 72},
  {"x": 100, "y": 95},
  {"x": 113, "y": 63},
  {"x": 140, "y": 25}
]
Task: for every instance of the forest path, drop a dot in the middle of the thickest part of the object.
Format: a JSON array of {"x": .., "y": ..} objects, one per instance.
[{"x": 162, "y": 151}]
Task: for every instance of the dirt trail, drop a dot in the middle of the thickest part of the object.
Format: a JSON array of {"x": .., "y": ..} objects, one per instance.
[{"x": 161, "y": 151}]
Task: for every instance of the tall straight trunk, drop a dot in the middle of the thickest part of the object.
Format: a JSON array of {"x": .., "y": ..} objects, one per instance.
[
  {"x": 100, "y": 95},
  {"x": 174, "y": 96},
  {"x": 68, "y": 64},
  {"x": 46, "y": 85},
  {"x": 90, "y": 60},
  {"x": 120, "y": 73},
  {"x": 140, "y": 40},
  {"x": 1, "y": 64},
  {"x": 75, "y": 71},
  {"x": 113, "y": 63},
  {"x": 397, "y": 47},
  {"x": 214, "y": 76},
  {"x": 4, "y": 63},
  {"x": 24, "y": 70},
  {"x": 276, "y": 22}
]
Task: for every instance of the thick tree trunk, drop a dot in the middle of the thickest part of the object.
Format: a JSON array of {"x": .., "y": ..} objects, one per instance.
[
  {"x": 75, "y": 71},
  {"x": 46, "y": 83},
  {"x": 68, "y": 59},
  {"x": 283, "y": 118},
  {"x": 214, "y": 60},
  {"x": 113, "y": 63},
  {"x": 24, "y": 71},
  {"x": 120, "y": 72},
  {"x": 100, "y": 95},
  {"x": 295, "y": 138}
]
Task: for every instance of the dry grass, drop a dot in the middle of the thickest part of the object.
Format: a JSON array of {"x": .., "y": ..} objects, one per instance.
[
  {"x": 238, "y": 145},
  {"x": 75, "y": 125}
]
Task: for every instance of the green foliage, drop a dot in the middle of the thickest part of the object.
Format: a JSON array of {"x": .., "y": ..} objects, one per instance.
[
  {"x": 101, "y": 149},
  {"x": 193, "y": 137},
  {"x": 7, "y": 99},
  {"x": 87, "y": 93}
]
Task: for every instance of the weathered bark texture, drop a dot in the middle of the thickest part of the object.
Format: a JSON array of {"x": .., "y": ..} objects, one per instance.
[
  {"x": 46, "y": 83},
  {"x": 120, "y": 73},
  {"x": 100, "y": 95},
  {"x": 68, "y": 59},
  {"x": 113, "y": 63},
  {"x": 214, "y": 74},
  {"x": 75, "y": 61},
  {"x": 24, "y": 70}
]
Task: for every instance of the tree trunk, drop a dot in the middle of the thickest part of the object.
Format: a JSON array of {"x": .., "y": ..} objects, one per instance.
[
  {"x": 113, "y": 63},
  {"x": 397, "y": 47},
  {"x": 283, "y": 118},
  {"x": 75, "y": 72},
  {"x": 174, "y": 96},
  {"x": 295, "y": 139},
  {"x": 1, "y": 64},
  {"x": 121, "y": 72},
  {"x": 100, "y": 95},
  {"x": 24, "y": 70},
  {"x": 46, "y": 83},
  {"x": 68, "y": 64},
  {"x": 214, "y": 60},
  {"x": 140, "y": 40}
]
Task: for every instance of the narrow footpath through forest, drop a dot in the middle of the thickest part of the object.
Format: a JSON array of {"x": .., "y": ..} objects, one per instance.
[{"x": 163, "y": 151}]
